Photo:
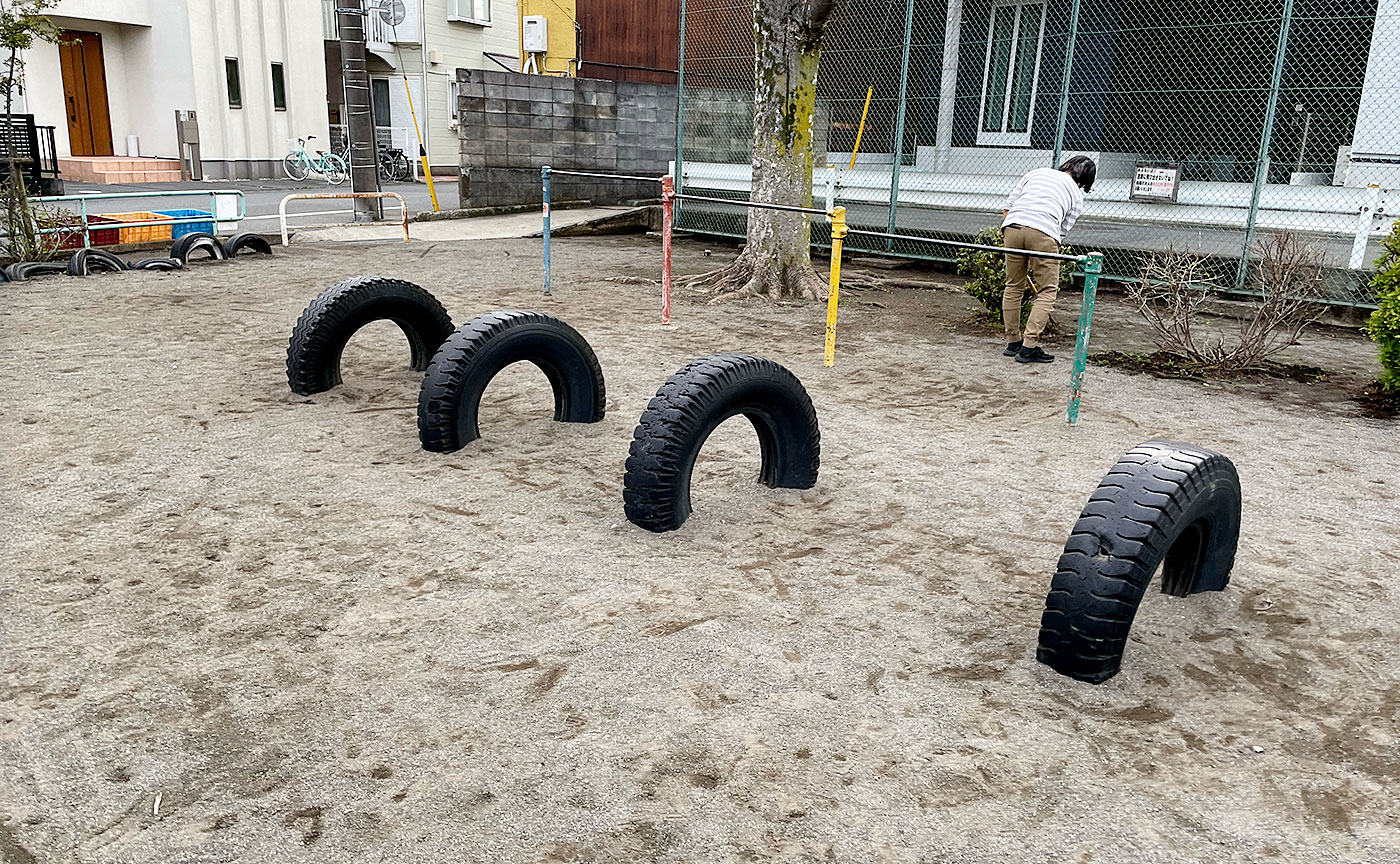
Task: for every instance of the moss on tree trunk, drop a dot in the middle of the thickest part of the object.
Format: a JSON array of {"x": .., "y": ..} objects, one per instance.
[{"x": 777, "y": 260}]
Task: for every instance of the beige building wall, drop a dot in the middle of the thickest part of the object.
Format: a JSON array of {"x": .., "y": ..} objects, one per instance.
[{"x": 161, "y": 56}]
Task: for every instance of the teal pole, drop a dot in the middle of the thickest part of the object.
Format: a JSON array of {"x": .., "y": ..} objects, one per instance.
[
  {"x": 899, "y": 121},
  {"x": 1266, "y": 140},
  {"x": 544, "y": 178},
  {"x": 1092, "y": 265},
  {"x": 1064, "y": 85}
]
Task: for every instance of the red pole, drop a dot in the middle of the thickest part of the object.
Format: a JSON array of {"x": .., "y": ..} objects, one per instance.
[{"x": 668, "y": 201}]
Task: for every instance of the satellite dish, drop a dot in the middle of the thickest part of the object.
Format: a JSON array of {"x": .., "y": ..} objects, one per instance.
[{"x": 392, "y": 12}]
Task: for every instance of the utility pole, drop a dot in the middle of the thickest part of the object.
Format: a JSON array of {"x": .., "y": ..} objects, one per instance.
[{"x": 364, "y": 161}]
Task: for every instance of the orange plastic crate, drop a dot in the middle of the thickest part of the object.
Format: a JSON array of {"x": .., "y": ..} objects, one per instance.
[{"x": 141, "y": 234}]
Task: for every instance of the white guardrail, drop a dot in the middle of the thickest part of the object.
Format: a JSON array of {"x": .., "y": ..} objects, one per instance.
[
  {"x": 1360, "y": 213},
  {"x": 282, "y": 209}
]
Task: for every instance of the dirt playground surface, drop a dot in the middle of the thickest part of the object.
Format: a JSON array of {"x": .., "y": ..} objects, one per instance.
[{"x": 237, "y": 624}]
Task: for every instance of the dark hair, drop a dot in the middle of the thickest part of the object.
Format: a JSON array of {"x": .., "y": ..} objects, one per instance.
[{"x": 1081, "y": 170}]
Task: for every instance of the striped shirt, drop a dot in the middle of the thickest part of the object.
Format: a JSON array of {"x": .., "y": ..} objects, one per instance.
[{"x": 1047, "y": 200}]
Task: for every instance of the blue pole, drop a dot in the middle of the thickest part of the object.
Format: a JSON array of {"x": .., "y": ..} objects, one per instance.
[{"x": 544, "y": 177}]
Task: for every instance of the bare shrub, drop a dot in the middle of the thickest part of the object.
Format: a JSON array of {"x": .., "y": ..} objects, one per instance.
[{"x": 1175, "y": 288}]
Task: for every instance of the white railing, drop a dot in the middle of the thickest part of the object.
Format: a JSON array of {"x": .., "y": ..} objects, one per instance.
[
  {"x": 378, "y": 32},
  {"x": 330, "y": 27}
]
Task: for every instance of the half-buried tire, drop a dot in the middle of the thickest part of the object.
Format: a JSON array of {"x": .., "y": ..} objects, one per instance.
[
  {"x": 86, "y": 261},
  {"x": 249, "y": 241},
  {"x": 320, "y": 335},
  {"x": 471, "y": 357},
  {"x": 20, "y": 271},
  {"x": 197, "y": 241},
  {"x": 1163, "y": 503},
  {"x": 158, "y": 264},
  {"x": 690, "y": 405}
]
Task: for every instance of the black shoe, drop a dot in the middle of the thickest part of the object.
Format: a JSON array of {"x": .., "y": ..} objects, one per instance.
[
  {"x": 1034, "y": 355},
  {"x": 1012, "y": 349}
]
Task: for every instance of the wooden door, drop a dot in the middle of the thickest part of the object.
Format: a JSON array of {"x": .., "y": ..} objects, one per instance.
[{"x": 85, "y": 94}]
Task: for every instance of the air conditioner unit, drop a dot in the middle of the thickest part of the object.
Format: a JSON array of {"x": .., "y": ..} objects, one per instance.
[{"x": 535, "y": 34}]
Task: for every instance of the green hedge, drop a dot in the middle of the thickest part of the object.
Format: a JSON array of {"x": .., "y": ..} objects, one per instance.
[{"x": 1384, "y": 325}]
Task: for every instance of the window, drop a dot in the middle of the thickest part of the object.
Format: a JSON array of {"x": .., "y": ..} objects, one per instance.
[
  {"x": 454, "y": 93},
  {"x": 1014, "y": 36},
  {"x": 279, "y": 88},
  {"x": 474, "y": 11},
  {"x": 235, "y": 92},
  {"x": 379, "y": 102}
]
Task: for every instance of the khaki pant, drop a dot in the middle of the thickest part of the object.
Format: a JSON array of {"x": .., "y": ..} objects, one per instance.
[{"x": 1040, "y": 275}]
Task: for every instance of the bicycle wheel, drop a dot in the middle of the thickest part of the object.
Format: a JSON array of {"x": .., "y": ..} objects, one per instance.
[
  {"x": 295, "y": 166},
  {"x": 386, "y": 166},
  {"x": 401, "y": 167},
  {"x": 334, "y": 169}
]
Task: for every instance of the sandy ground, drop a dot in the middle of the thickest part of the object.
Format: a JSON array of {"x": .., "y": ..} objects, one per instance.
[{"x": 242, "y": 625}]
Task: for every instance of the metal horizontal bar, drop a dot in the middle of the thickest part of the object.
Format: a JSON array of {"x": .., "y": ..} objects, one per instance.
[
  {"x": 739, "y": 202},
  {"x": 625, "y": 66},
  {"x": 98, "y": 196},
  {"x": 960, "y": 245},
  {"x": 553, "y": 171},
  {"x": 147, "y": 223}
]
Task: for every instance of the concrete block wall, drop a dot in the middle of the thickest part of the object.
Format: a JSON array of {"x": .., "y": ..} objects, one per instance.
[{"x": 510, "y": 124}]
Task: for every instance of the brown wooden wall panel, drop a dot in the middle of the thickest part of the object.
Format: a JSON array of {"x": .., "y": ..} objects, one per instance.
[{"x": 643, "y": 33}]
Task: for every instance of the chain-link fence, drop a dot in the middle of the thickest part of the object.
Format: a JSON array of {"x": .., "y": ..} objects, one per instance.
[{"x": 1213, "y": 124}]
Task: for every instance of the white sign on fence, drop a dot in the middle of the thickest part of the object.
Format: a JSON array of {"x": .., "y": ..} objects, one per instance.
[{"x": 1156, "y": 181}]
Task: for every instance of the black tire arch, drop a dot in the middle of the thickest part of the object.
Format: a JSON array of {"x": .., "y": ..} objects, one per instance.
[
  {"x": 465, "y": 363},
  {"x": 1163, "y": 503},
  {"x": 164, "y": 264},
  {"x": 324, "y": 328},
  {"x": 690, "y": 405},
  {"x": 85, "y": 261},
  {"x": 21, "y": 271},
  {"x": 249, "y": 240},
  {"x": 197, "y": 241}
]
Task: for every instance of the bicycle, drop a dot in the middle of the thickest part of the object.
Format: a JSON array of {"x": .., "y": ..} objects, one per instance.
[
  {"x": 393, "y": 164},
  {"x": 298, "y": 163}
]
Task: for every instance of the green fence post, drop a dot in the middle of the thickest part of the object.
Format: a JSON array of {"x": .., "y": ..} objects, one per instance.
[
  {"x": 1064, "y": 85},
  {"x": 899, "y": 120},
  {"x": 1266, "y": 140},
  {"x": 680, "y": 109},
  {"x": 1092, "y": 266}
]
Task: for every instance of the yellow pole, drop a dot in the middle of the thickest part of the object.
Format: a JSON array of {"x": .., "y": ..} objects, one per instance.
[
  {"x": 422, "y": 151},
  {"x": 838, "y": 234},
  {"x": 861, "y": 131}
]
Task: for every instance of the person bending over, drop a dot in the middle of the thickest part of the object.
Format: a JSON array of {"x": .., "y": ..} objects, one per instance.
[{"x": 1040, "y": 211}]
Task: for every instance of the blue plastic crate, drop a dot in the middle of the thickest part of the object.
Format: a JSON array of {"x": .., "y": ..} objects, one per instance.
[{"x": 188, "y": 227}]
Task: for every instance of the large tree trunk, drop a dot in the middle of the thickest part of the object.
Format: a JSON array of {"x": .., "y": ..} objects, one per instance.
[{"x": 777, "y": 259}]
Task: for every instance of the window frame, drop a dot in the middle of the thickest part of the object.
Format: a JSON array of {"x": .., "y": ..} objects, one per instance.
[
  {"x": 233, "y": 84},
  {"x": 279, "y": 82},
  {"x": 454, "y": 93},
  {"x": 455, "y": 13},
  {"x": 1005, "y": 138}
]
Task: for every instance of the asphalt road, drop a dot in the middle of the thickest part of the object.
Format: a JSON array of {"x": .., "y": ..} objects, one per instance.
[{"x": 262, "y": 198}]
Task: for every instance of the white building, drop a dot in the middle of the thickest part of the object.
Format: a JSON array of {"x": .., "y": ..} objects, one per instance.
[
  {"x": 470, "y": 34},
  {"x": 251, "y": 70}
]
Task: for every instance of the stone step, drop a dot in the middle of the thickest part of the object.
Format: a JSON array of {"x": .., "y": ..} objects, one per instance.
[{"x": 117, "y": 169}]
